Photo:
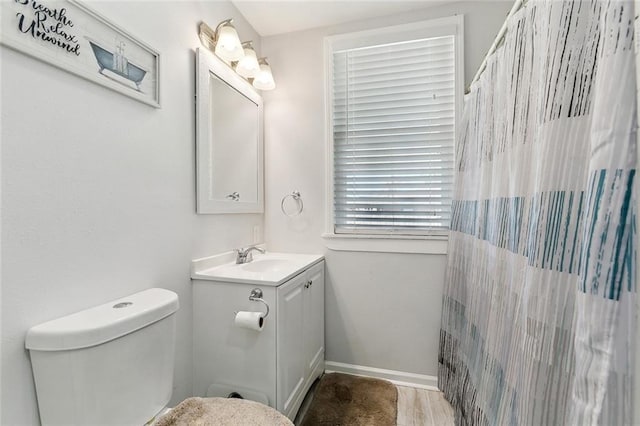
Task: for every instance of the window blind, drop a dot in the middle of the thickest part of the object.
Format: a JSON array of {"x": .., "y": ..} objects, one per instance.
[{"x": 393, "y": 136}]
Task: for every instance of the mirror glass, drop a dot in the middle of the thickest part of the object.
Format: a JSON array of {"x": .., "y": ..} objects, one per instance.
[
  {"x": 229, "y": 140},
  {"x": 234, "y": 128}
]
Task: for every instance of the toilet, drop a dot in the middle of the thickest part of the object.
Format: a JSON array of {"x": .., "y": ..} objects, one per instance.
[{"x": 109, "y": 365}]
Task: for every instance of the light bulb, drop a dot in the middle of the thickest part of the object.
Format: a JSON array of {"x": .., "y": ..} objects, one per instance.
[
  {"x": 264, "y": 79},
  {"x": 228, "y": 46},
  {"x": 248, "y": 66}
]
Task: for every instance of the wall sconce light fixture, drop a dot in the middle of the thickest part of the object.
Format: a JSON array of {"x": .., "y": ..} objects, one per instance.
[
  {"x": 248, "y": 66},
  {"x": 264, "y": 79},
  {"x": 225, "y": 43},
  {"x": 228, "y": 45}
]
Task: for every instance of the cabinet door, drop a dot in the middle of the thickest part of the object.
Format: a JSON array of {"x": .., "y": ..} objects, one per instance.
[
  {"x": 291, "y": 344},
  {"x": 314, "y": 318}
]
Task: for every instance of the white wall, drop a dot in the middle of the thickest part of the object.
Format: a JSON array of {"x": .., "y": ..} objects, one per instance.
[
  {"x": 383, "y": 310},
  {"x": 98, "y": 190}
]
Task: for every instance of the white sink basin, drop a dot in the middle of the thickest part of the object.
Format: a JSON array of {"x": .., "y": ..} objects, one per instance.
[
  {"x": 266, "y": 269},
  {"x": 266, "y": 265}
]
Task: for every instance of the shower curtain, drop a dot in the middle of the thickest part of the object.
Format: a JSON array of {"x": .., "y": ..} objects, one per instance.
[{"x": 539, "y": 303}]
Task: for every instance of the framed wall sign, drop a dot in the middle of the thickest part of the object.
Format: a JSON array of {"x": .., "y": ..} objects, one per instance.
[{"x": 69, "y": 35}]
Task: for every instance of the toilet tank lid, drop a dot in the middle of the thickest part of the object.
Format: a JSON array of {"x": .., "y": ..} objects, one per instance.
[{"x": 103, "y": 323}]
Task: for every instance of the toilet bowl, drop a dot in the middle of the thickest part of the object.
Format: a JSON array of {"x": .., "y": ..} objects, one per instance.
[{"x": 108, "y": 365}]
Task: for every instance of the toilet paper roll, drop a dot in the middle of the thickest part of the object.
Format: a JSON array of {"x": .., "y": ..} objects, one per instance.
[{"x": 250, "y": 320}]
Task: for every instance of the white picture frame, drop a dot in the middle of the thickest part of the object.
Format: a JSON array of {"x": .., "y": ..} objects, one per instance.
[{"x": 71, "y": 36}]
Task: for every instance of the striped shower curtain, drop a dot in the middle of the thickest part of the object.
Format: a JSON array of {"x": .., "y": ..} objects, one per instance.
[{"x": 539, "y": 304}]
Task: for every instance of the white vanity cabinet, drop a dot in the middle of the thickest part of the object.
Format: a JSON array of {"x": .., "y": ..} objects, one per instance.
[
  {"x": 300, "y": 337},
  {"x": 282, "y": 360}
]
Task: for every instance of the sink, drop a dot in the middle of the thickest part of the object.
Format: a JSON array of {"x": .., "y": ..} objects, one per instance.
[
  {"x": 266, "y": 265},
  {"x": 271, "y": 269}
]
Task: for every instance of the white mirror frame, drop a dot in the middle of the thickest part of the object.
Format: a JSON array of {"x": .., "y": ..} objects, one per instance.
[{"x": 207, "y": 63}]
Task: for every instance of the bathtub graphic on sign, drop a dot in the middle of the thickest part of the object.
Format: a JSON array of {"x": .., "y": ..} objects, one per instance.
[{"x": 117, "y": 63}]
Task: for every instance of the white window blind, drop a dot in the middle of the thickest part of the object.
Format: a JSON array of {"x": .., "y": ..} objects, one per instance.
[{"x": 393, "y": 135}]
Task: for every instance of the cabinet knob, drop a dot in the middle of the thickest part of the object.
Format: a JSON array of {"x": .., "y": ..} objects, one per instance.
[{"x": 309, "y": 283}]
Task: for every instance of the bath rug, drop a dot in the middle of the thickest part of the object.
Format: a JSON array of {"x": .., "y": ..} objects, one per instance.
[
  {"x": 222, "y": 412},
  {"x": 345, "y": 400}
]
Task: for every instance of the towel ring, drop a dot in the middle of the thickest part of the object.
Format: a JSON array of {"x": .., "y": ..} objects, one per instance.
[{"x": 295, "y": 195}]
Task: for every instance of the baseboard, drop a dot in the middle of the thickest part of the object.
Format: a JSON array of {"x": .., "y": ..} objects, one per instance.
[{"x": 401, "y": 378}]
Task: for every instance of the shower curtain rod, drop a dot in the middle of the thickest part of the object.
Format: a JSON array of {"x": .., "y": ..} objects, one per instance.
[{"x": 503, "y": 30}]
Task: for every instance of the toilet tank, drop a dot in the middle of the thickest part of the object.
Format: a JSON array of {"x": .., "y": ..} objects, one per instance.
[{"x": 108, "y": 365}]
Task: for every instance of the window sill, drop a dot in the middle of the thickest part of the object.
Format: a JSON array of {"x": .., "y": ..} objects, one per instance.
[{"x": 386, "y": 243}]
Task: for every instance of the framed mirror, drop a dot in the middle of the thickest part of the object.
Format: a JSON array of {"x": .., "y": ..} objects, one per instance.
[{"x": 229, "y": 140}]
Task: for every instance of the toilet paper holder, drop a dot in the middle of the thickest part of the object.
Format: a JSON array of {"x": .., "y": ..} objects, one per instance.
[{"x": 256, "y": 296}]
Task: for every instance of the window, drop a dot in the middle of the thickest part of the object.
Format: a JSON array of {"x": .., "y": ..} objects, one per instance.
[{"x": 393, "y": 98}]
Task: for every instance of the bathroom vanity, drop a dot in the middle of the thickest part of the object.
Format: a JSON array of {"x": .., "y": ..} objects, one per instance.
[{"x": 281, "y": 360}]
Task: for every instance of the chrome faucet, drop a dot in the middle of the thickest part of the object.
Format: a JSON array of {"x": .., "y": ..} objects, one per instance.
[{"x": 245, "y": 255}]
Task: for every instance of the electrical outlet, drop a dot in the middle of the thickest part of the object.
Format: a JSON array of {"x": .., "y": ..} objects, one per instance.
[{"x": 256, "y": 234}]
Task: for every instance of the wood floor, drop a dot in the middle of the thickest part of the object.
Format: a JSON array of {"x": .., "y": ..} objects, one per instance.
[
  {"x": 419, "y": 407},
  {"x": 416, "y": 407}
]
